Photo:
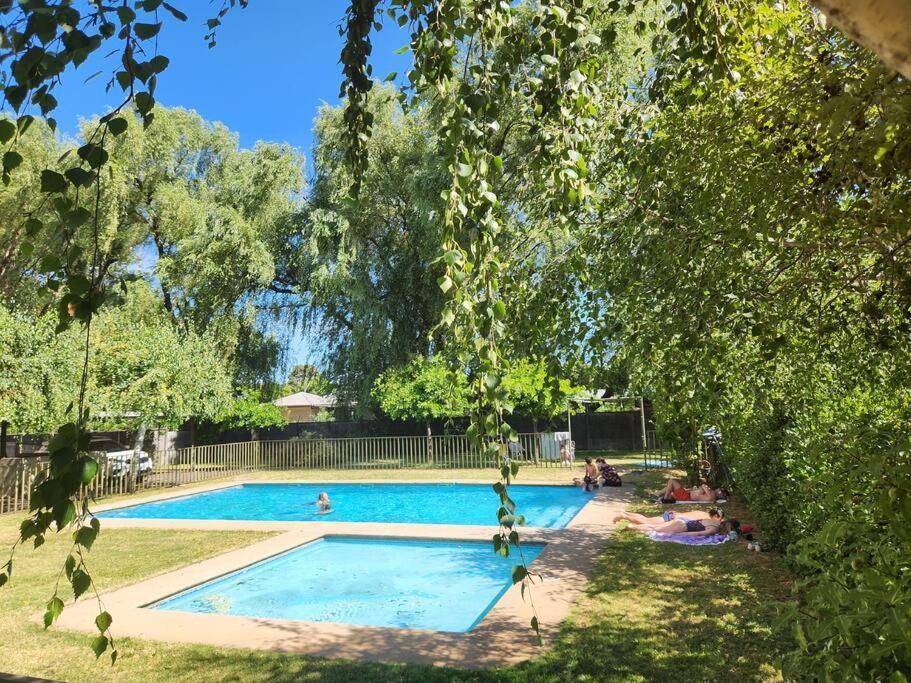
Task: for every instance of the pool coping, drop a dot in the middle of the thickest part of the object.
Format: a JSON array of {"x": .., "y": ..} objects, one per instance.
[{"x": 501, "y": 638}]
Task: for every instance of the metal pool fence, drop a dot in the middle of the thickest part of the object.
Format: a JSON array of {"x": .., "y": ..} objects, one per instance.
[{"x": 200, "y": 463}]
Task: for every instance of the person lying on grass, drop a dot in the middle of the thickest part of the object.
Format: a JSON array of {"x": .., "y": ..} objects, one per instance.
[
  {"x": 669, "y": 515},
  {"x": 690, "y": 527},
  {"x": 590, "y": 478},
  {"x": 676, "y": 492}
]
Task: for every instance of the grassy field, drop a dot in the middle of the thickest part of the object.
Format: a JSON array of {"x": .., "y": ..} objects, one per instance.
[{"x": 650, "y": 612}]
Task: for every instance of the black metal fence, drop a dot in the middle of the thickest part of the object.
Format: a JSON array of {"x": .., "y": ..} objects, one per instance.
[{"x": 621, "y": 431}]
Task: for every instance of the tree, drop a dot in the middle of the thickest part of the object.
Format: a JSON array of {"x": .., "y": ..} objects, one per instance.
[
  {"x": 307, "y": 377},
  {"x": 215, "y": 218},
  {"x": 534, "y": 392},
  {"x": 144, "y": 372},
  {"x": 39, "y": 372},
  {"x": 367, "y": 266},
  {"x": 422, "y": 390},
  {"x": 249, "y": 411}
]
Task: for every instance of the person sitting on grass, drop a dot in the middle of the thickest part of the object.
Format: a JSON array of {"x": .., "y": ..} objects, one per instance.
[
  {"x": 680, "y": 526},
  {"x": 608, "y": 475},
  {"x": 676, "y": 492},
  {"x": 590, "y": 478},
  {"x": 323, "y": 504},
  {"x": 669, "y": 515}
]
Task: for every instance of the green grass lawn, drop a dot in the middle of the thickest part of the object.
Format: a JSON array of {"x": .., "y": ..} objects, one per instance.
[{"x": 650, "y": 612}]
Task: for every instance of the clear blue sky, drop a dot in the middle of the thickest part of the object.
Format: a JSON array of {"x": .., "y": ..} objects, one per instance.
[{"x": 275, "y": 63}]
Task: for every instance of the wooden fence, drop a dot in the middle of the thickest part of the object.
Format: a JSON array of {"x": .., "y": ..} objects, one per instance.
[{"x": 189, "y": 465}]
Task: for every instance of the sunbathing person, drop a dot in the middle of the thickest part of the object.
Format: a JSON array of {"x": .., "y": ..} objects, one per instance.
[
  {"x": 590, "y": 478},
  {"x": 689, "y": 527},
  {"x": 669, "y": 515},
  {"x": 676, "y": 492}
]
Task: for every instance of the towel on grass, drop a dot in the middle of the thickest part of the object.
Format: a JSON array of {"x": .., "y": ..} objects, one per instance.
[{"x": 716, "y": 539}]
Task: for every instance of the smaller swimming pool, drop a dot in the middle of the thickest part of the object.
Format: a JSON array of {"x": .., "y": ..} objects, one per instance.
[{"x": 414, "y": 584}]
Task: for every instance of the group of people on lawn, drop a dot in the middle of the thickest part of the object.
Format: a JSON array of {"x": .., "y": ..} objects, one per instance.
[
  {"x": 598, "y": 474},
  {"x": 690, "y": 523}
]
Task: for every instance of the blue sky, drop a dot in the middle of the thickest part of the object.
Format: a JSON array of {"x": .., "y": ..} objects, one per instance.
[{"x": 275, "y": 63}]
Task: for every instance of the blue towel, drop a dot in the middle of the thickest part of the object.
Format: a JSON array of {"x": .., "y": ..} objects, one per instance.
[{"x": 716, "y": 539}]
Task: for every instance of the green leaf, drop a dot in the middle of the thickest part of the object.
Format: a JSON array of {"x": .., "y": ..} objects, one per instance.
[
  {"x": 125, "y": 14},
  {"x": 117, "y": 125},
  {"x": 99, "y": 645},
  {"x": 81, "y": 582},
  {"x": 89, "y": 470},
  {"x": 79, "y": 176},
  {"x": 180, "y": 16},
  {"x": 11, "y": 160},
  {"x": 144, "y": 102},
  {"x": 159, "y": 63},
  {"x": 95, "y": 155},
  {"x": 33, "y": 226},
  {"x": 64, "y": 514},
  {"x": 78, "y": 284},
  {"x": 54, "y": 610},
  {"x": 519, "y": 572},
  {"x": 86, "y": 536},
  {"x": 103, "y": 621},
  {"x": 51, "y": 181},
  {"x": 146, "y": 31},
  {"x": 7, "y": 130},
  {"x": 49, "y": 264}
]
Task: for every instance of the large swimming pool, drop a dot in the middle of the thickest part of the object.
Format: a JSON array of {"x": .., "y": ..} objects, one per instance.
[
  {"x": 415, "y": 584},
  {"x": 543, "y": 506}
]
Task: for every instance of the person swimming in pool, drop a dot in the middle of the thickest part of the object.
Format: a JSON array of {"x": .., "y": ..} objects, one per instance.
[{"x": 323, "y": 503}]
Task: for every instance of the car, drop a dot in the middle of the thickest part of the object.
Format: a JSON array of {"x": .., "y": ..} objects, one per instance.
[{"x": 120, "y": 459}]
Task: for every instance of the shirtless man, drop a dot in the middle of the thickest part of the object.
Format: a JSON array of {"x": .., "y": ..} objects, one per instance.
[{"x": 590, "y": 478}]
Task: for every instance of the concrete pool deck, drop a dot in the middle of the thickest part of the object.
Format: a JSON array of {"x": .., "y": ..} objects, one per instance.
[{"x": 502, "y": 637}]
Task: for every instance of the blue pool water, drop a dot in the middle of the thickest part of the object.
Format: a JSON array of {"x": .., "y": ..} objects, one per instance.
[
  {"x": 543, "y": 506},
  {"x": 434, "y": 585}
]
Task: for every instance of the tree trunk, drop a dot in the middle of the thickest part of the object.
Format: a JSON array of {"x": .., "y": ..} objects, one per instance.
[
  {"x": 536, "y": 439},
  {"x": 137, "y": 454},
  {"x": 882, "y": 26},
  {"x": 429, "y": 445}
]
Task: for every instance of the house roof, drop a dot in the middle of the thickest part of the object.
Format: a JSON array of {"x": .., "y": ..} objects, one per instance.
[{"x": 305, "y": 398}]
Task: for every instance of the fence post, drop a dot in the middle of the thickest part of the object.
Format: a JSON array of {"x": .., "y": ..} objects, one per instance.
[{"x": 4, "y": 423}]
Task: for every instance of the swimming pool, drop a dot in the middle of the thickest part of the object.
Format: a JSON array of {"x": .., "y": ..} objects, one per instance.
[
  {"x": 543, "y": 506},
  {"x": 414, "y": 584}
]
